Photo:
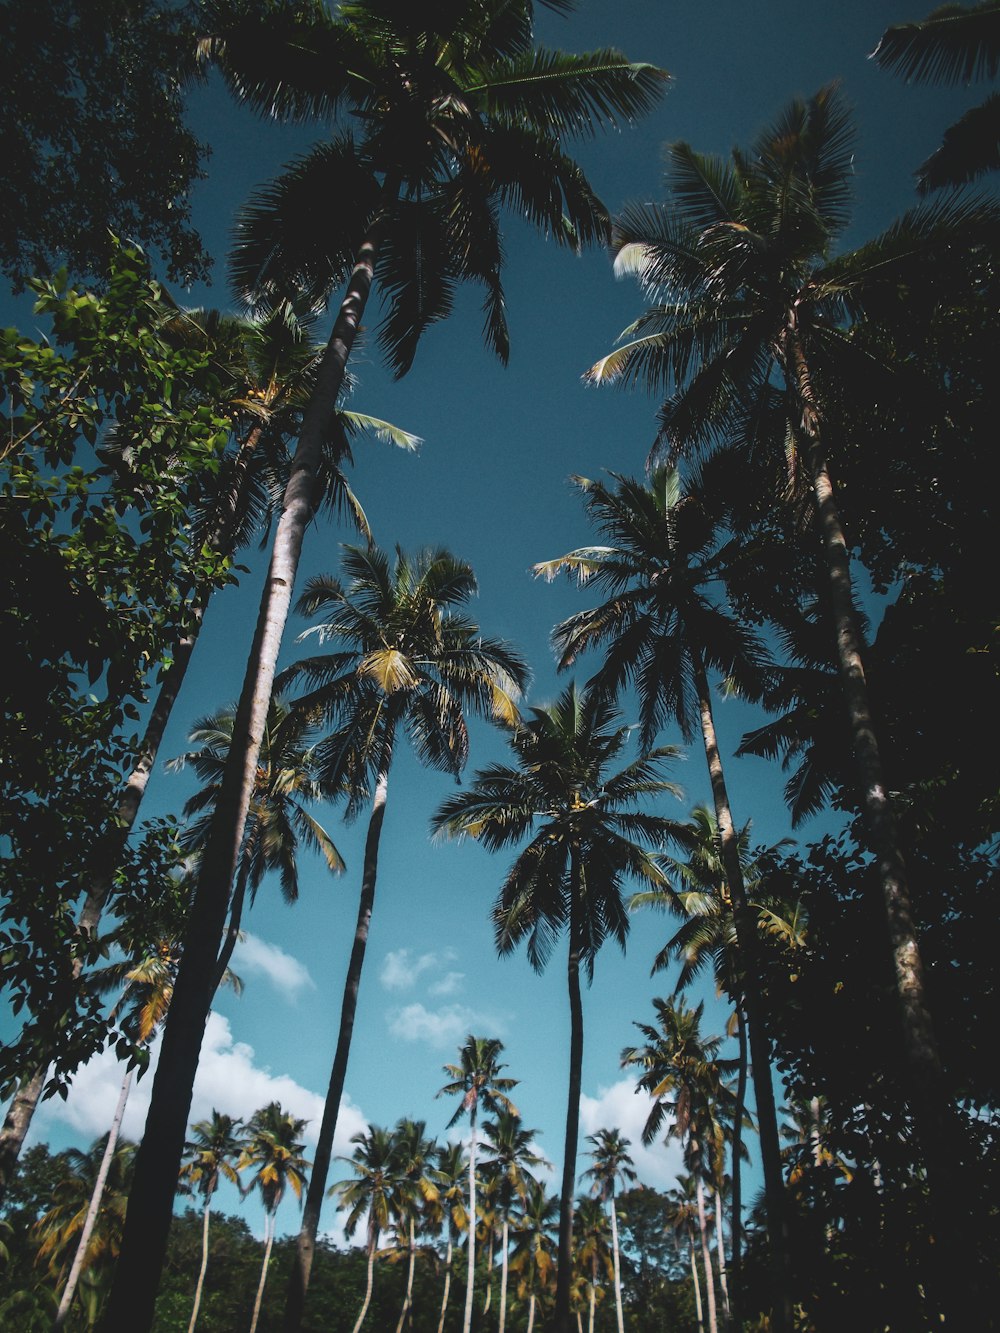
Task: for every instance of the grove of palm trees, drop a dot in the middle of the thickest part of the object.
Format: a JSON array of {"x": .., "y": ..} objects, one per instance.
[{"x": 498, "y": 764}]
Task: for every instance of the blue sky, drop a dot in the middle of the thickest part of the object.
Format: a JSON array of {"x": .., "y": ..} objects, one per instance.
[{"x": 490, "y": 483}]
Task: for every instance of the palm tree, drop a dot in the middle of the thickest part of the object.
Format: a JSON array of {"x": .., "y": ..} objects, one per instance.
[
  {"x": 591, "y": 1232},
  {"x": 682, "y": 1071},
  {"x": 665, "y": 625},
  {"x": 369, "y": 1193},
  {"x": 149, "y": 984},
  {"x": 212, "y": 1151},
  {"x": 750, "y": 299},
  {"x": 954, "y": 44},
  {"x": 476, "y": 1079},
  {"x": 612, "y": 1164},
  {"x": 708, "y": 936},
  {"x": 460, "y": 117},
  {"x": 266, "y": 366},
  {"x": 61, "y": 1227},
  {"x": 278, "y": 820},
  {"x": 274, "y": 1152},
  {"x": 586, "y": 837},
  {"x": 415, "y": 1187},
  {"x": 532, "y": 1258},
  {"x": 407, "y": 659},
  {"x": 507, "y": 1162},
  {"x": 682, "y": 1218},
  {"x": 450, "y": 1177}
]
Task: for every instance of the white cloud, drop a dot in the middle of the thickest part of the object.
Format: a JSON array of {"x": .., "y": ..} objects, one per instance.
[
  {"x": 228, "y": 1080},
  {"x": 621, "y": 1107},
  {"x": 447, "y": 1026},
  {"x": 255, "y": 957},
  {"x": 450, "y": 984},
  {"x": 401, "y": 969}
]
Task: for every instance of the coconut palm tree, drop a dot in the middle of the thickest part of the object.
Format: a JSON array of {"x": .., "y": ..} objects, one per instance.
[
  {"x": 612, "y": 1165},
  {"x": 508, "y": 1158},
  {"x": 532, "y": 1259},
  {"x": 60, "y": 1229},
  {"x": 371, "y": 1194},
  {"x": 415, "y": 1188},
  {"x": 954, "y": 44},
  {"x": 682, "y": 1218},
  {"x": 278, "y": 820},
  {"x": 586, "y": 838},
  {"x": 450, "y": 1177},
  {"x": 212, "y": 1152},
  {"x": 460, "y": 117},
  {"x": 665, "y": 625},
  {"x": 406, "y": 660},
  {"x": 273, "y": 1152},
  {"x": 682, "y": 1071},
  {"x": 748, "y": 328},
  {"x": 592, "y": 1252},
  {"x": 476, "y": 1078}
]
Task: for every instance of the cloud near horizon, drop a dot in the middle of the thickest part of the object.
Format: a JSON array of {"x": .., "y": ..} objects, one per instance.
[
  {"x": 228, "y": 1080},
  {"x": 621, "y": 1107}
]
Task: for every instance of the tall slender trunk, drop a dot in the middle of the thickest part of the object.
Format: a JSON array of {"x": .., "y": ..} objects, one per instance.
[
  {"x": 490, "y": 1239},
  {"x": 592, "y": 1302},
  {"x": 269, "y": 1229},
  {"x": 406, "y": 1314},
  {"x": 920, "y": 1042},
  {"x": 564, "y": 1272},
  {"x": 616, "y": 1256},
  {"x": 720, "y": 1250},
  {"x": 204, "y": 1264},
  {"x": 926, "y": 1093},
  {"x": 298, "y": 1282},
  {"x": 447, "y": 1284},
  {"x": 505, "y": 1242},
  {"x": 94, "y": 1207},
  {"x": 372, "y": 1245},
  {"x": 470, "y": 1275},
  {"x": 109, "y": 854},
  {"x": 235, "y": 913},
  {"x": 531, "y": 1312},
  {"x": 697, "y": 1289},
  {"x": 16, "y": 1123},
  {"x": 706, "y": 1257},
  {"x": 137, "y": 1276},
  {"x": 738, "y": 1111},
  {"x": 746, "y": 940}
]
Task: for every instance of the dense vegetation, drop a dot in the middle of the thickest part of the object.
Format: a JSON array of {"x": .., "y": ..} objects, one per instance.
[{"x": 813, "y": 532}]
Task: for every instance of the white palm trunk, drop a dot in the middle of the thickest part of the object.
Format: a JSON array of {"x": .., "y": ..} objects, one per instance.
[
  {"x": 720, "y": 1249},
  {"x": 697, "y": 1290},
  {"x": 447, "y": 1285},
  {"x": 706, "y": 1260},
  {"x": 94, "y": 1208},
  {"x": 471, "y": 1270},
  {"x": 372, "y": 1243},
  {"x": 269, "y": 1234},
  {"x": 617, "y": 1262},
  {"x": 503, "y": 1277},
  {"x": 204, "y": 1265},
  {"x": 408, "y": 1300}
]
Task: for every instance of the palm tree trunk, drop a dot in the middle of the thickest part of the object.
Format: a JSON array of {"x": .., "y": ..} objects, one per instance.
[
  {"x": 741, "y": 1100},
  {"x": 564, "y": 1272},
  {"x": 470, "y": 1276},
  {"x": 298, "y": 1283},
  {"x": 204, "y": 1264},
  {"x": 920, "y": 1042},
  {"x": 372, "y": 1245},
  {"x": 720, "y": 1249},
  {"x": 95, "y": 1204},
  {"x": 531, "y": 1312},
  {"x": 922, "y": 1055},
  {"x": 706, "y": 1258},
  {"x": 592, "y": 1302},
  {"x": 490, "y": 1239},
  {"x": 616, "y": 1255},
  {"x": 447, "y": 1284},
  {"x": 16, "y": 1124},
  {"x": 137, "y": 1275},
  {"x": 697, "y": 1289},
  {"x": 406, "y": 1315},
  {"x": 235, "y": 913},
  {"x": 503, "y": 1276},
  {"x": 269, "y": 1228},
  {"x": 746, "y": 939}
]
